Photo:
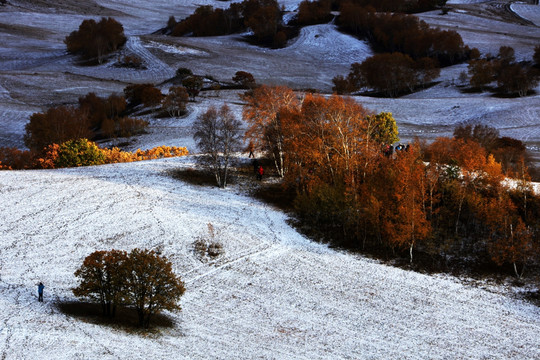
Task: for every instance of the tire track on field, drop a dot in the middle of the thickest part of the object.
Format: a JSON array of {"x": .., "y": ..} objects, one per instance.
[
  {"x": 148, "y": 202},
  {"x": 15, "y": 291},
  {"x": 266, "y": 247},
  {"x": 157, "y": 69}
]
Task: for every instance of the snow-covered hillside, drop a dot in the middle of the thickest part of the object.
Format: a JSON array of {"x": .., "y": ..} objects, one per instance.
[
  {"x": 36, "y": 72},
  {"x": 274, "y": 294}
]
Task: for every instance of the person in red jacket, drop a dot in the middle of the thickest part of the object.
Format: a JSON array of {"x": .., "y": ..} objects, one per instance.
[{"x": 260, "y": 173}]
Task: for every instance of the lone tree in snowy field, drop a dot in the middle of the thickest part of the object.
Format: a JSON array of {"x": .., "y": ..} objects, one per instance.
[
  {"x": 94, "y": 40},
  {"x": 102, "y": 277},
  {"x": 142, "y": 279},
  {"x": 217, "y": 134}
]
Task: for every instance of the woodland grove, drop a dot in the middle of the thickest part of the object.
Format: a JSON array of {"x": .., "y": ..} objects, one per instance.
[{"x": 451, "y": 201}]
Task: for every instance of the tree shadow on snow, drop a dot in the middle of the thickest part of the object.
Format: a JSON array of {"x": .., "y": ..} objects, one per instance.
[{"x": 126, "y": 319}]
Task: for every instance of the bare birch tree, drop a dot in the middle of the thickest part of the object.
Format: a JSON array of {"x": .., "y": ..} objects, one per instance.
[{"x": 217, "y": 134}]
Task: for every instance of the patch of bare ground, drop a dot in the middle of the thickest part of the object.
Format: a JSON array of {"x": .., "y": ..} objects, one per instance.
[
  {"x": 87, "y": 7},
  {"x": 25, "y": 30},
  {"x": 493, "y": 10}
]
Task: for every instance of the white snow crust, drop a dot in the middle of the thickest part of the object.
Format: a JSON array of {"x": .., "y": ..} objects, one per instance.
[{"x": 274, "y": 294}]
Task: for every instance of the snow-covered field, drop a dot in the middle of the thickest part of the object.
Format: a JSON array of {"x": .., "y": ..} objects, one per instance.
[
  {"x": 36, "y": 72},
  {"x": 274, "y": 294},
  {"x": 528, "y": 12}
]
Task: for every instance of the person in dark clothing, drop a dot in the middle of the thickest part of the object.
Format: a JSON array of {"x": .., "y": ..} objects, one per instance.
[
  {"x": 260, "y": 173},
  {"x": 40, "y": 291},
  {"x": 251, "y": 148},
  {"x": 255, "y": 166}
]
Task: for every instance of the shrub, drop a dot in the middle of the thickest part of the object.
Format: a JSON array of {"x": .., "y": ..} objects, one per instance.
[
  {"x": 244, "y": 79},
  {"x": 15, "y": 159},
  {"x": 132, "y": 61},
  {"x": 175, "y": 101},
  {"x": 208, "y": 246},
  {"x": 96, "y": 40},
  {"x": 129, "y": 126},
  {"x": 146, "y": 94},
  {"x": 80, "y": 152},
  {"x": 193, "y": 85},
  {"x": 55, "y": 155},
  {"x": 183, "y": 73},
  {"x": 314, "y": 12}
]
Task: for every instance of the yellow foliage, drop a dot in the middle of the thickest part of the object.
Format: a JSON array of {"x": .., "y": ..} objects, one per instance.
[{"x": 114, "y": 155}]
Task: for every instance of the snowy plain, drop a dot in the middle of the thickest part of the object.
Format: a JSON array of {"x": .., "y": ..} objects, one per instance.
[{"x": 274, "y": 294}]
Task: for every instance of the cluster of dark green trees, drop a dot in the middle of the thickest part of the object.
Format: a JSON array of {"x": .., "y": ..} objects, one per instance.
[{"x": 141, "y": 279}]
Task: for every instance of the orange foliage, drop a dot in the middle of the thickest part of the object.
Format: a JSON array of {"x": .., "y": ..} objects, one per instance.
[
  {"x": 15, "y": 159},
  {"x": 324, "y": 139},
  {"x": 261, "y": 112},
  {"x": 50, "y": 157},
  {"x": 407, "y": 223},
  {"x": 114, "y": 155}
]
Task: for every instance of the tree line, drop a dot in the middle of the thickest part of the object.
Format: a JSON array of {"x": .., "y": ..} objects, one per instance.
[
  {"x": 410, "y": 53},
  {"x": 262, "y": 17},
  {"x": 95, "y": 118},
  {"x": 389, "y": 28},
  {"x": 447, "y": 200},
  {"x": 319, "y": 12}
]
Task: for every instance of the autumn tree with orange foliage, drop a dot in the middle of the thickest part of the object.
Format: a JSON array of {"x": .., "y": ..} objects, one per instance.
[
  {"x": 262, "y": 113},
  {"x": 449, "y": 199},
  {"x": 407, "y": 223},
  {"x": 141, "y": 278},
  {"x": 102, "y": 279}
]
